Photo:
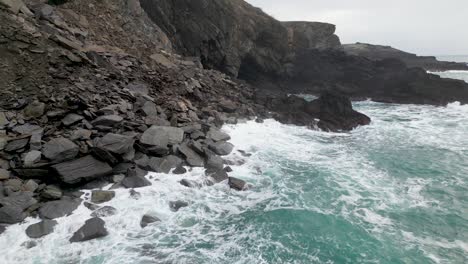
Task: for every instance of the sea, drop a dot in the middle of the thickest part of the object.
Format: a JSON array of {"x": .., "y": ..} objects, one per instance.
[{"x": 395, "y": 191}]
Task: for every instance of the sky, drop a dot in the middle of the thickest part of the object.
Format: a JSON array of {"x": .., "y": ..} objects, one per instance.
[{"x": 424, "y": 27}]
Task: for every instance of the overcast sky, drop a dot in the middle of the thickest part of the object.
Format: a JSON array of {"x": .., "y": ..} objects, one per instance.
[{"x": 425, "y": 27}]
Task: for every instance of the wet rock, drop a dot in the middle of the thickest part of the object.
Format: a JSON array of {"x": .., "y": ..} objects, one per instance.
[
  {"x": 218, "y": 176},
  {"x": 118, "y": 144},
  {"x": 104, "y": 212},
  {"x": 217, "y": 135},
  {"x": 2, "y": 229},
  {"x": 237, "y": 184},
  {"x": 83, "y": 169},
  {"x": 34, "y": 110},
  {"x": 60, "y": 149},
  {"x": 102, "y": 196},
  {"x": 176, "y": 205},
  {"x": 29, "y": 244},
  {"x": 221, "y": 148},
  {"x": 4, "y": 174},
  {"x": 41, "y": 229},
  {"x": 136, "y": 181},
  {"x": 51, "y": 192},
  {"x": 148, "y": 219},
  {"x": 179, "y": 170},
  {"x": 107, "y": 120},
  {"x": 56, "y": 209},
  {"x": 71, "y": 119},
  {"x": 92, "y": 229},
  {"x": 161, "y": 136},
  {"x": 189, "y": 183},
  {"x": 193, "y": 158},
  {"x": 32, "y": 157},
  {"x": 11, "y": 215},
  {"x": 91, "y": 206},
  {"x": 214, "y": 162},
  {"x": 16, "y": 144},
  {"x": 134, "y": 194}
]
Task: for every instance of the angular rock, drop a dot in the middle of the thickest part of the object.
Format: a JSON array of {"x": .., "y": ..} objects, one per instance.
[
  {"x": 237, "y": 184},
  {"x": 21, "y": 200},
  {"x": 11, "y": 215},
  {"x": 4, "y": 174},
  {"x": 60, "y": 149},
  {"x": 117, "y": 144},
  {"x": 179, "y": 170},
  {"x": 30, "y": 186},
  {"x": 218, "y": 176},
  {"x": 92, "y": 229},
  {"x": 28, "y": 129},
  {"x": 137, "y": 181},
  {"x": 98, "y": 196},
  {"x": 13, "y": 184},
  {"x": 104, "y": 211},
  {"x": 71, "y": 119},
  {"x": 3, "y": 120},
  {"x": 214, "y": 162},
  {"x": 217, "y": 135},
  {"x": 83, "y": 169},
  {"x": 56, "y": 209},
  {"x": 32, "y": 157},
  {"x": 107, "y": 120},
  {"x": 16, "y": 144},
  {"x": 148, "y": 219},
  {"x": 41, "y": 229},
  {"x": 193, "y": 158},
  {"x": 81, "y": 134},
  {"x": 51, "y": 192},
  {"x": 221, "y": 148},
  {"x": 34, "y": 110},
  {"x": 162, "y": 136},
  {"x": 164, "y": 165},
  {"x": 176, "y": 205}
]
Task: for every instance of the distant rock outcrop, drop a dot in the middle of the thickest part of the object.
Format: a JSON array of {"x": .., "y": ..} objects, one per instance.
[{"x": 378, "y": 52}]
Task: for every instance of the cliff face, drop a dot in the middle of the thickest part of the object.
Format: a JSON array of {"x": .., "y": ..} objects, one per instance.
[
  {"x": 378, "y": 52},
  {"x": 304, "y": 35}
]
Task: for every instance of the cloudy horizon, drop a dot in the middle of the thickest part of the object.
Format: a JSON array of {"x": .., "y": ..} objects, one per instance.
[{"x": 435, "y": 28}]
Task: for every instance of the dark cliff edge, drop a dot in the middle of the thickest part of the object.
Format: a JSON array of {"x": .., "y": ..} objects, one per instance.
[
  {"x": 379, "y": 52},
  {"x": 242, "y": 41}
]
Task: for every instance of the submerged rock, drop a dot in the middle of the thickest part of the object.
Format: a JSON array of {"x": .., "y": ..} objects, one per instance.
[
  {"x": 92, "y": 229},
  {"x": 148, "y": 219},
  {"x": 176, "y": 205},
  {"x": 104, "y": 211},
  {"x": 102, "y": 196}
]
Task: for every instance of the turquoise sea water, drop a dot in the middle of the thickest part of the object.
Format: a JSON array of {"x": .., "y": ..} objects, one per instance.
[{"x": 395, "y": 191}]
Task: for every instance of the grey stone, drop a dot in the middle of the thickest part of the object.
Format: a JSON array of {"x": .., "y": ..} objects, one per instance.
[
  {"x": 104, "y": 211},
  {"x": 164, "y": 165},
  {"x": 214, "y": 162},
  {"x": 221, "y": 148},
  {"x": 137, "y": 181},
  {"x": 71, "y": 119},
  {"x": 176, "y": 205},
  {"x": 179, "y": 170},
  {"x": 21, "y": 200},
  {"x": 218, "y": 176},
  {"x": 30, "y": 186},
  {"x": 28, "y": 129},
  {"x": 32, "y": 157},
  {"x": 11, "y": 215},
  {"x": 188, "y": 183},
  {"x": 98, "y": 196},
  {"x": 16, "y": 144},
  {"x": 34, "y": 110},
  {"x": 3, "y": 120},
  {"x": 92, "y": 229},
  {"x": 217, "y": 135},
  {"x": 4, "y": 174},
  {"x": 149, "y": 109},
  {"x": 86, "y": 168},
  {"x": 107, "y": 120},
  {"x": 14, "y": 184},
  {"x": 59, "y": 208},
  {"x": 41, "y": 229},
  {"x": 148, "y": 219},
  {"x": 60, "y": 149},
  {"x": 91, "y": 206},
  {"x": 193, "y": 158},
  {"x": 118, "y": 178},
  {"x": 35, "y": 143},
  {"x": 162, "y": 136},
  {"x": 117, "y": 144},
  {"x": 81, "y": 134},
  {"x": 237, "y": 184},
  {"x": 51, "y": 192}
]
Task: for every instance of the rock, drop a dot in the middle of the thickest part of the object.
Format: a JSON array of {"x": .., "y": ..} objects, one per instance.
[
  {"x": 92, "y": 229},
  {"x": 117, "y": 144},
  {"x": 14, "y": 184},
  {"x": 21, "y": 200},
  {"x": 51, "y": 192},
  {"x": 83, "y": 169},
  {"x": 16, "y": 144},
  {"x": 41, "y": 229},
  {"x": 107, "y": 120},
  {"x": 214, "y": 162},
  {"x": 11, "y": 215},
  {"x": 221, "y": 148},
  {"x": 28, "y": 129},
  {"x": 217, "y": 135},
  {"x": 179, "y": 170},
  {"x": 189, "y": 183},
  {"x": 3, "y": 120},
  {"x": 34, "y": 110},
  {"x": 228, "y": 106},
  {"x": 4, "y": 174},
  {"x": 104, "y": 212},
  {"x": 60, "y": 149},
  {"x": 102, "y": 196},
  {"x": 136, "y": 182},
  {"x": 81, "y": 134},
  {"x": 218, "y": 176},
  {"x": 192, "y": 157},
  {"x": 13, "y": 5},
  {"x": 56, "y": 209},
  {"x": 176, "y": 205},
  {"x": 161, "y": 136},
  {"x": 71, "y": 119},
  {"x": 149, "y": 109},
  {"x": 164, "y": 165},
  {"x": 236, "y": 184},
  {"x": 30, "y": 186},
  {"x": 118, "y": 178},
  {"x": 32, "y": 157},
  {"x": 91, "y": 206},
  {"x": 148, "y": 219},
  {"x": 2, "y": 229}
]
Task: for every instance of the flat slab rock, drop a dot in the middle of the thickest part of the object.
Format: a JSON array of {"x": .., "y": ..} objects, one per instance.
[
  {"x": 86, "y": 168},
  {"x": 92, "y": 229},
  {"x": 161, "y": 136},
  {"x": 115, "y": 143},
  {"x": 60, "y": 149},
  {"x": 56, "y": 209},
  {"x": 41, "y": 229}
]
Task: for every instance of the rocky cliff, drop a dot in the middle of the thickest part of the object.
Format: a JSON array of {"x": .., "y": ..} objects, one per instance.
[{"x": 378, "y": 52}]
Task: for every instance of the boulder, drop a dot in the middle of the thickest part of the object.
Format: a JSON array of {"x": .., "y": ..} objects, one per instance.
[
  {"x": 60, "y": 149},
  {"x": 104, "y": 211},
  {"x": 71, "y": 119},
  {"x": 217, "y": 135},
  {"x": 237, "y": 184},
  {"x": 11, "y": 215},
  {"x": 136, "y": 182},
  {"x": 161, "y": 136},
  {"x": 92, "y": 229},
  {"x": 214, "y": 162},
  {"x": 107, "y": 120},
  {"x": 192, "y": 157},
  {"x": 218, "y": 176},
  {"x": 221, "y": 148},
  {"x": 176, "y": 205},
  {"x": 83, "y": 169},
  {"x": 41, "y": 229},
  {"x": 148, "y": 219},
  {"x": 117, "y": 144},
  {"x": 16, "y": 144},
  {"x": 51, "y": 192},
  {"x": 179, "y": 170},
  {"x": 98, "y": 196},
  {"x": 21, "y": 200},
  {"x": 59, "y": 208},
  {"x": 164, "y": 165}
]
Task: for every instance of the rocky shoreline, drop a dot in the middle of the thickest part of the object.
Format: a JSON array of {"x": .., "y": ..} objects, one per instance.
[{"x": 76, "y": 115}]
